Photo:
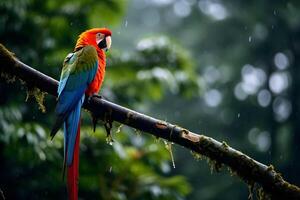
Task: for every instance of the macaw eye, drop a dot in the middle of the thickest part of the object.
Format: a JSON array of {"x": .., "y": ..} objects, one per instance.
[{"x": 100, "y": 36}]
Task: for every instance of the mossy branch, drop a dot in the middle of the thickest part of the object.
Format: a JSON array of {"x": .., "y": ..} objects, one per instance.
[{"x": 270, "y": 183}]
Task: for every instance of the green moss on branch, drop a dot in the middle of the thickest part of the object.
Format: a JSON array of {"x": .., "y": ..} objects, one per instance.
[
  {"x": 270, "y": 183},
  {"x": 39, "y": 97}
]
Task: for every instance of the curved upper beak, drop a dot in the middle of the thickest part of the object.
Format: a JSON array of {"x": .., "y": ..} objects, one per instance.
[
  {"x": 103, "y": 42},
  {"x": 108, "y": 42}
]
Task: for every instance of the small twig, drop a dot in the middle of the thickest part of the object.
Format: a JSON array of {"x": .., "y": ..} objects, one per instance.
[{"x": 250, "y": 170}]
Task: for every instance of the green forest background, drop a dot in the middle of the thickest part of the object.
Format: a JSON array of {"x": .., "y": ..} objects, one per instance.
[{"x": 226, "y": 69}]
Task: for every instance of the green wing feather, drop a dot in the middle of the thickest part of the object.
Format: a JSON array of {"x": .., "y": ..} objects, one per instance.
[
  {"x": 77, "y": 65},
  {"x": 78, "y": 71}
]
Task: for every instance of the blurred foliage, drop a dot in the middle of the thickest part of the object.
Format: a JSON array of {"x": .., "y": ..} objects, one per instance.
[
  {"x": 132, "y": 168},
  {"x": 227, "y": 69},
  {"x": 246, "y": 57},
  {"x": 156, "y": 67},
  {"x": 41, "y": 33}
]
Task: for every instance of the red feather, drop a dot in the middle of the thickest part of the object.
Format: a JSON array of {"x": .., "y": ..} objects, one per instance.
[
  {"x": 73, "y": 174},
  {"x": 86, "y": 38},
  {"x": 95, "y": 85},
  {"x": 89, "y": 38}
]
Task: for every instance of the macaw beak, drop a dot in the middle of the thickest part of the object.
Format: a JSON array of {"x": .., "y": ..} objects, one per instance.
[
  {"x": 108, "y": 43},
  {"x": 105, "y": 43}
]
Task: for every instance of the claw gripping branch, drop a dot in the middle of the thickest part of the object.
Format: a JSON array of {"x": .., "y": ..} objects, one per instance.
[{"x": 270, "y": 182}]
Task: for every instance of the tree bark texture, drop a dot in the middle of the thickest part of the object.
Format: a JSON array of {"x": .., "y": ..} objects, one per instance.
[{"x": 267, "y": 181}]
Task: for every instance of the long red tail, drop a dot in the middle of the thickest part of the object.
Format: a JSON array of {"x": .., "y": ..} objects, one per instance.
[{"x": 72, "y": 170}]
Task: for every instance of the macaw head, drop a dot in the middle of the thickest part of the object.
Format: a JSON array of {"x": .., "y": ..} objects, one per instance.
[{"x": 100, "y": 38}]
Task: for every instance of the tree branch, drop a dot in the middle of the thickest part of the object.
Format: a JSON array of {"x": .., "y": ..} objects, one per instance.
[{"x": 251, "y": 171}]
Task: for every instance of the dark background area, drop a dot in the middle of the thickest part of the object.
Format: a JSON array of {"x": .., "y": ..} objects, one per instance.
[{"x": 226, "y": 69}]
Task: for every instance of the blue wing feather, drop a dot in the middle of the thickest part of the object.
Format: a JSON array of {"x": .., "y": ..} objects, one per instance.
[
  {"x": 70, "y": 94},
  {"x": 70, "y": 132},
  {"x": 69, "y": 99},
  {"x": 63, "y": 80},
  {"x": 71, "y": 89}
]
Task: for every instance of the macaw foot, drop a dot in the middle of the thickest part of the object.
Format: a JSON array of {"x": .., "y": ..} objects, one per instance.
[
  {"x": 108, "y": 124},
  {"x": 95, "y": 95},
  {"x": 94, "y": 118}
]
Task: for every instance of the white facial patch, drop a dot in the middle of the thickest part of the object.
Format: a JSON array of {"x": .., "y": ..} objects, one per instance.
[{"x": 99, "y": 37}]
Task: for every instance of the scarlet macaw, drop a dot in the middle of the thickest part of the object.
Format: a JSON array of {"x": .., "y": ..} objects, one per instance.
[{"x": 82, "y": 74}]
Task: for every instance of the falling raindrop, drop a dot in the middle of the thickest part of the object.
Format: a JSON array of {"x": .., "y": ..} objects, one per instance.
[
  {"x": 126, "y": 23},
  {"x": 168, "y": 146},
  {"x": 239, "y": 114},
  {"x": 110, "y": 169},
  {"x": 250, "y": 39}
]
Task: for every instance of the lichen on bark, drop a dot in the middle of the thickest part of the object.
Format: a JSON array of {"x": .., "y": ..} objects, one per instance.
[{"x": 38, "y": 95}]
